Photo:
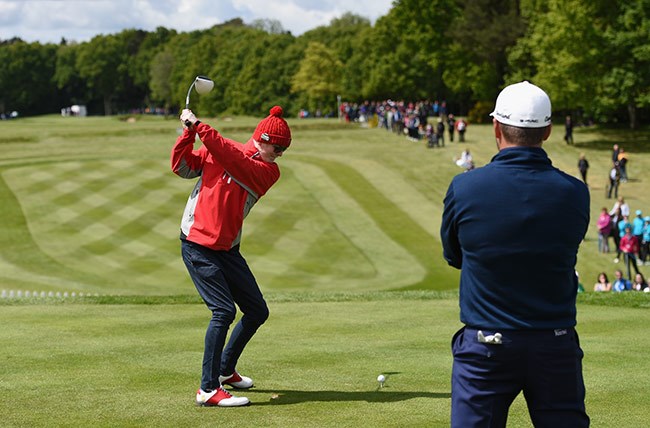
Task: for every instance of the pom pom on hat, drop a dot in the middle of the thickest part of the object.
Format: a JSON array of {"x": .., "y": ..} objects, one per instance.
[
  {"x": 276, "y": 111},
  {"x": 273, "y": 129}
]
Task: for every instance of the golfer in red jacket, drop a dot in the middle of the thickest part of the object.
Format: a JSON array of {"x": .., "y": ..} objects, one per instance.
[{"x": 231, "y": 179}]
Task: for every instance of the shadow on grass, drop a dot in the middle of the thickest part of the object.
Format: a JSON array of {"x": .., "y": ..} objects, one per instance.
[
  {"x": 634, "y": 141},
  {"x": 383, "y": 395}
]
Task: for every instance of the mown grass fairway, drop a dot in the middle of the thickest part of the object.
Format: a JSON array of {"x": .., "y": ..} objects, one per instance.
[
  {"x": 345, "y": 247},
  {"x": 90, "y": 204}
]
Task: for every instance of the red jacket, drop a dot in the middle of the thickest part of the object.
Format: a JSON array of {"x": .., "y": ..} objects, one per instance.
[
  {"x": 629, "y": 244},
  {"x": 232, "y": 179}
]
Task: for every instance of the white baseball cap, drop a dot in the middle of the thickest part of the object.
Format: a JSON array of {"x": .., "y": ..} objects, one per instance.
[{"x": 523, "y": 105}]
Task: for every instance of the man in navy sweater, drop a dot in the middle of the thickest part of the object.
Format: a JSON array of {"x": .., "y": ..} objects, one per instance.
[{"x": 513, "y": 228}]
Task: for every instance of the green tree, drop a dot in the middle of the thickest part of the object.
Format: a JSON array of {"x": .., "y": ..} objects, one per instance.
[
  {"x": 26, "y": 71},
  {"x": 226, "y": 50},
  {"x": 161, "y": 68},
  {"x": 409, "y": 50},
  {"x": 188, "y": 62},
  {"x": 140, "y": 64},
  {"x": 134, "y": 89},
  {"x": 481, "y": 35},
  {"x": 625, "y": 80},
  {"x": 559, "y": 51},
  {"x": 265, "y": 78},
  {"x": 106, "y": 65},
  {"x": 319, "y": 77},
  {"x": 271, "y": 26},
  {"x": 339, "y": 35},
  {"x": 66, "y": 77},
  {"x": 218, "y": 53},
  {"x": 102, "y": 64},
  {"x": 348, "y": 36},
  {"x": 590, "y": 56}
]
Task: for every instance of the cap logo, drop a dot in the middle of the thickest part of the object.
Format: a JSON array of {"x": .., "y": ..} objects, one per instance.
[{"x": 265, "y": 137}]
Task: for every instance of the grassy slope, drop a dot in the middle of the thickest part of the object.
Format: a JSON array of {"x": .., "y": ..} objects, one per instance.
[{"x": 90, "y": 204}]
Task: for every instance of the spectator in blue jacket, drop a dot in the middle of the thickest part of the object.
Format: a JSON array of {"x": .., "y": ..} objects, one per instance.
[
  {"x": 637, "y": 225},
  {"x": 518, "y": 283},
  {"x": 621, "y": 226},
  {"x": 645, "y": 241},
  {"x": 621, "y": 283}
]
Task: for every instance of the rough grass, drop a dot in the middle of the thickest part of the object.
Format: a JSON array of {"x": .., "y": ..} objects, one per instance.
[{"x": 315, "y": 363}]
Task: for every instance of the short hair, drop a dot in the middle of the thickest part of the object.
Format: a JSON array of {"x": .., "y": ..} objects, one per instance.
[{"x": 523, "y": 136}]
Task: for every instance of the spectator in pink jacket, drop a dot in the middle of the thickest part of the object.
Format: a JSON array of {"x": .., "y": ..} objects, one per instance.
[{"x": 604, "y": 225}]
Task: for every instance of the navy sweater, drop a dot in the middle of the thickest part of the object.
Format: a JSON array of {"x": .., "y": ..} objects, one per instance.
[{"x": 513, "y": 227}]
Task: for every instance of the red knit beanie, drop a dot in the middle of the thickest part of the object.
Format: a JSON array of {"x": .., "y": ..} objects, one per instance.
[{"x": 273, "y": 129}]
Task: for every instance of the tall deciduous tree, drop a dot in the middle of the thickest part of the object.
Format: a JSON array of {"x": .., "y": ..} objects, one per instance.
[
  {"x": 319, "y": 76},
  {"x": 66, "y": 76},
  {"x": 265, "y": 78},
  {"x": 233, "y": 48},
  {"x": 160, "y": 84},
  {"x": 271, "y": 26},
  {"x": 410, "y": 46},
  {"x": 141, "y": 60},
  {"x": 559, "y": 51},
  {"x": 102, "y": 63},
  {"x": 481, "y": 35},
  {"x": 348, "y": 36},
  {"x": 626, "y": 79},
  {"x": 26, "y": 71}
]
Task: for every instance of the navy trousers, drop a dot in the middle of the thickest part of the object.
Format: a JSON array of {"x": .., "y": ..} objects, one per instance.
[
  {"x": 546, "y": 365},
  {"x": 224, "y": 279}
]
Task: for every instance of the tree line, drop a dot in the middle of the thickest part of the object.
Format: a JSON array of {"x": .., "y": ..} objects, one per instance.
[{"x": 591, "y": 56}]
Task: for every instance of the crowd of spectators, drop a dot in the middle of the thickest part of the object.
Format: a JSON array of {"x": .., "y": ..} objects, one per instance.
[
  {"x": 417, "y": 121},
  {"x": 629, "y": 235},
  {"x": 621, "y": 283}
]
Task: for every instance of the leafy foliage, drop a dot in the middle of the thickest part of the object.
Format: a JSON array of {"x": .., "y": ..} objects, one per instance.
[
  {"x": 591, "y": 56},
  {"x": 318, "y": 76},
  {"x": 25, "y": 77},
  {"x": 481, "y": 36}
]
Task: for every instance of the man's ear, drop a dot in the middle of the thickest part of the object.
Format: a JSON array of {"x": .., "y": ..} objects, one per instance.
[
  {"x": 497, "y": 128},
  {"x": 547, "y": 133},
  {"x": 497, "y": 133}
]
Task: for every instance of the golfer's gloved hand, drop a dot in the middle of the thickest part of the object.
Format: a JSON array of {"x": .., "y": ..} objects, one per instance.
[{"x": 187, "y": 118}]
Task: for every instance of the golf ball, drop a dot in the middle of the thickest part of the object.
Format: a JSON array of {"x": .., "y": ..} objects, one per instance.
[{"x": 381, "y": 378}]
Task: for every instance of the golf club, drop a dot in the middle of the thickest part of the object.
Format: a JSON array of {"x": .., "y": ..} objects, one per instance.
[{"x": 202, "y": 84}]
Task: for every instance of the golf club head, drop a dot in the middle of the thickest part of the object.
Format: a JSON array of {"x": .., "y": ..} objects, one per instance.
[{"x": 203, "y": 84}]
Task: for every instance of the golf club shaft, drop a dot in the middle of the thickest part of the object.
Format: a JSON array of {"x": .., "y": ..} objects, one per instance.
[
  {"x": 187, "y": 102},
  {"x": 203, "y": 85},
  {"x": 187, "y": 98}
]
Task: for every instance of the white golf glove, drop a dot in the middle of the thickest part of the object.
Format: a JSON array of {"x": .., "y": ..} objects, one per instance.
[
  {"x": 494, "y": 339},
  {"x": 188, "y": 118}
]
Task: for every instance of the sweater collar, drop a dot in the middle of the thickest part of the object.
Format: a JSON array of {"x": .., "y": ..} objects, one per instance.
[{"x": 529, "y": 155}]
